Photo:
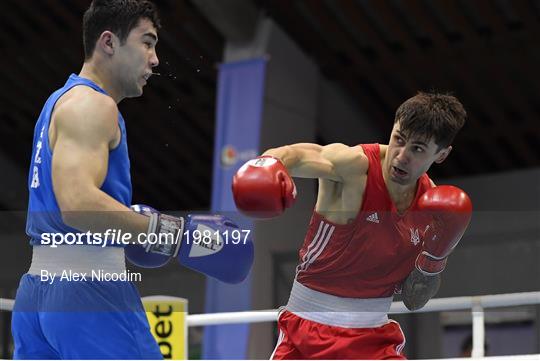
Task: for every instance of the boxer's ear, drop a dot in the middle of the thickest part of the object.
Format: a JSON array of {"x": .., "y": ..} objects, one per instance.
[
  {"x": 107, "y": 42},
  {"x": 442, "y": 154}
]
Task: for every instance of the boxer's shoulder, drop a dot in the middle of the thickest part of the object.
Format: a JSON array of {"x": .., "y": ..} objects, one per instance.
[
  {"x": 84, "y": 112},
  {"x": 339, "y": 202},
  {"x": 82, "y": 101},
  {"x": 348, "y": 161}
]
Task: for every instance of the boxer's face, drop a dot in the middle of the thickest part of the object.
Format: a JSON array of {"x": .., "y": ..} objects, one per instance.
[
  {"x": 136, "y": 58},
  {"x": 408, "y": 157}
]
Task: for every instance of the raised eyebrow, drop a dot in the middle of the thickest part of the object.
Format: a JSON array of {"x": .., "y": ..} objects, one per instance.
[{"x": 417, "y": 142}]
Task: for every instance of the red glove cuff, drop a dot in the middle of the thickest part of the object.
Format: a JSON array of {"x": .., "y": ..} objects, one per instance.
[{"x": 429, "y": 264}]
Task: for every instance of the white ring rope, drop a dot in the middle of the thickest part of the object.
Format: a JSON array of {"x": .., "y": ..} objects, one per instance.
[
  {"x": 476, "y": 304},
  {"x": 434, "y": 305},
  {"x": 6, "y": 304},
  {"x": 467, "y": 302}
]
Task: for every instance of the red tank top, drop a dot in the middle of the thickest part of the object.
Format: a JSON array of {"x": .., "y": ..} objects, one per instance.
[{"x": 370, "y": 257}]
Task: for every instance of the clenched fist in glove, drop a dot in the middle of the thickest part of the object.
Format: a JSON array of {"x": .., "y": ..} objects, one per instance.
[
  {"x": 262, "y": 188},
  {"x": 450, "y": 209},
  {"x": 204, "y": 243}
]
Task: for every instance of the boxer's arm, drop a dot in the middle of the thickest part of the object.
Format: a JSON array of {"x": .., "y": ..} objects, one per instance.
[
  {"x": 334, "y": 161},
  {"x": 418, "y": 289},
  {"x": 85, "y": 129}
]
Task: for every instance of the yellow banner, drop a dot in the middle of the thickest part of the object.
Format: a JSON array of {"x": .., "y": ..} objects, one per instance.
[{"x": 167, "y": 318}]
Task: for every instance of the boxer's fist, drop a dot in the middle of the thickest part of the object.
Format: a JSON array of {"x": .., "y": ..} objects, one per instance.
[
  {"x": 262, "y": 188},
  {"x": 210, "y": 244},
  {"x": 217, "y": 247},
  {"x": 450, "y": 209}
]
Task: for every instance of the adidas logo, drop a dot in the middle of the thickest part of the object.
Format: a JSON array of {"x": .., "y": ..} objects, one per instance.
[{"x": 373, "y": 218}]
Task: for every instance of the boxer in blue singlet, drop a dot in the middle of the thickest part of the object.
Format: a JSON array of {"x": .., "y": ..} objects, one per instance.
[
  {"x": 80, "y": 187},
  {"x": 80, "y": 163}
]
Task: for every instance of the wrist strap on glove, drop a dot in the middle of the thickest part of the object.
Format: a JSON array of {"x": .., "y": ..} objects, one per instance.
[
  {"x": 429, "y": 264},
  {"x": 164, "y": 234}
]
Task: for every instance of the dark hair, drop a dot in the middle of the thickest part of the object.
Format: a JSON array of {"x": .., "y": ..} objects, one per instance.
[
  {"x": 117, "y": 16},
  {"x": 428, "y": 115}
]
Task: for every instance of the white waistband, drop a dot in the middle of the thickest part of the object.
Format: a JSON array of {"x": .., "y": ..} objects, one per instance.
[
  {"x": 78, "y": 259},
  {"x": 338, "y": 311}
]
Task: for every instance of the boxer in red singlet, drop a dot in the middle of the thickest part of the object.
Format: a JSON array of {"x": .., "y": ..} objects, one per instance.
[{"x": 380, "y": 225}]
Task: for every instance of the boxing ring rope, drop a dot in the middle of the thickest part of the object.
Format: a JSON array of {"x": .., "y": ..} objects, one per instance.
[
  {"x": 476, "y": 304},
  {"x": 6, "y": 304},
  {"x": 434, "y": 305}
]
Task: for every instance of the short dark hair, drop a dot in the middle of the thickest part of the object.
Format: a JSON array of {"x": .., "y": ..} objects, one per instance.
[
  {"x": 117, "y": 16},
  {"x": 428, "y": 115}
]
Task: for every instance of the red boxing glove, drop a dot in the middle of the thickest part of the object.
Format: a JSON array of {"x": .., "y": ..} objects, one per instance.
[
  {"x": 262, "y": 188},
  {"x": 451, "y": 210}
]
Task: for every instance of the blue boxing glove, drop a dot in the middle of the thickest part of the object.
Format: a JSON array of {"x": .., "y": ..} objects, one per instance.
[
  {"x": 212, "y": 245},
  {"x": 215, "y": 246}
]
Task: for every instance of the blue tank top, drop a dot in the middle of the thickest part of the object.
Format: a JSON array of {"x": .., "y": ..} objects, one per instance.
[{"x": 43, "y": 212}]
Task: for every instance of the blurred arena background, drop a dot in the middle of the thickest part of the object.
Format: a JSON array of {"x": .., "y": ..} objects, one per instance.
[{"x": 336, "y": 72}]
